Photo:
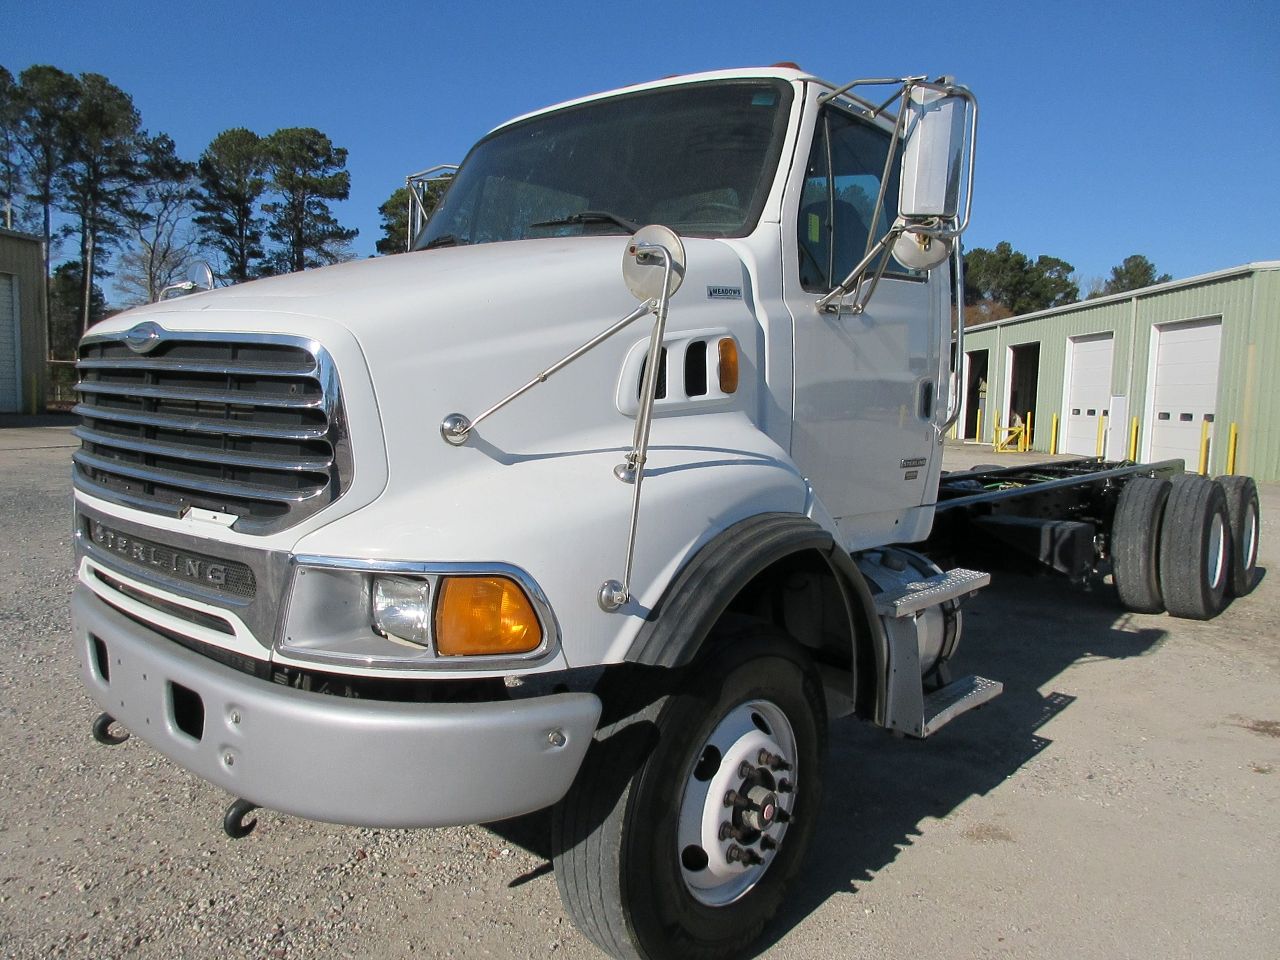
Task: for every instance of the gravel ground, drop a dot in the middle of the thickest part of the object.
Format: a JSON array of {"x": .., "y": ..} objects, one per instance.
[{"x": 1119, "y": 800}]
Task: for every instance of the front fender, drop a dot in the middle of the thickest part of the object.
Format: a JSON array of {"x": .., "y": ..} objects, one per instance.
[
  {"x": 562, "y": 517},
  {"x": 698, "y": 596}
]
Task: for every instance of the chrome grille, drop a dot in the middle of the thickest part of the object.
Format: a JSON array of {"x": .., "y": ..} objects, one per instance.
[{"x": 250, "y": 426}]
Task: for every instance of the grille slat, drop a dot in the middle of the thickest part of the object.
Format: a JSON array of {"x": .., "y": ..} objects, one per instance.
[
  {"x": 250, "y": 426},
  {"x": 239, "y": 368},
  {"x": 217, "y": 488},
  {"x": 188, "y": 452},
  {"x": 242, "y": 428},
  {"x": 198, "y": 396}
]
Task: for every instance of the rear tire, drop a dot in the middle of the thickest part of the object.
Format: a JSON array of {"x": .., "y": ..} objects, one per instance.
[
  {"x": 639, "y": 859},
  {"x": 1195, "y": 548},
  {"x": 1135, "y": 544},
  {"x": 1246, "y": 526}
]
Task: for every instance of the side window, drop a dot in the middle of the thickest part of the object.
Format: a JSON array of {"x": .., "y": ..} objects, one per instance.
[{"x": 837, "y": 204}]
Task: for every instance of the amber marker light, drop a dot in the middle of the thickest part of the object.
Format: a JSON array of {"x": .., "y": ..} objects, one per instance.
[
  {"x": 728, "y": 365},
  {"x": 478, "y": 616}
]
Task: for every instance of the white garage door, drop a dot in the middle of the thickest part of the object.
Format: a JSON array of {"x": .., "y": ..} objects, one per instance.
[
  {"x": 10, "y": 384},
  {"x": 1186, "y": 388},
  {"x": 1088, "y": 392}
]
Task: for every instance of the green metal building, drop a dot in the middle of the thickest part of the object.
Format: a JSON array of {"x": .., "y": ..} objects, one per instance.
[
  {"x": 1187, "y": 369},
  {"x": 23, "y": 328}
]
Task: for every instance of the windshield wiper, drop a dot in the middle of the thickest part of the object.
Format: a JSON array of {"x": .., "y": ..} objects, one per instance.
[
  {"x": 444, "y": 240},
  {"x": 590, "y": 216}
]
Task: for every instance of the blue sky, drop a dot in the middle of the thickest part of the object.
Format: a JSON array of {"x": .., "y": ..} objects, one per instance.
[{"x": 1107, "y": 128}]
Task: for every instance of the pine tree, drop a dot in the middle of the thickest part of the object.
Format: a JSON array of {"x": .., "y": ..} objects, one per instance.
[
  {"x": 232, "y": 173},
  {"x": 105, "y": 146},
  {"x": 307, "y": 172}
]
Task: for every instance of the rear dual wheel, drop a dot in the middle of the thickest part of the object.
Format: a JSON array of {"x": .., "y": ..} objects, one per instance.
[
  {"x": 690, "y": 816},
  {"x": 1246, "y": 525},
  {"x": 1185, "y": 545},
  {"x": 1195, "y": 548},
  {"x": 1135, "y": 543}
]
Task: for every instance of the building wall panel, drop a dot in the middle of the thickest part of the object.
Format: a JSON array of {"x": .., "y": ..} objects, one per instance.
[
  {"x": 1248, "y": 302},
  {"x": 22, "y": 257}
]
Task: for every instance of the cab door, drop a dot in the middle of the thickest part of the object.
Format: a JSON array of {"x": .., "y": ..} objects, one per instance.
[{"x": 866, "y": 385}]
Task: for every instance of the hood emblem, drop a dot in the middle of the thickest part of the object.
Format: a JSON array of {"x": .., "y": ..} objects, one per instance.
[{"x": 144, "y": 337}]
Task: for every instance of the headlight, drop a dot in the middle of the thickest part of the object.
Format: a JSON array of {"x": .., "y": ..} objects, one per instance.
[
  {"x": 414, "y": 616},
  {"x": 402, "y": 608}
]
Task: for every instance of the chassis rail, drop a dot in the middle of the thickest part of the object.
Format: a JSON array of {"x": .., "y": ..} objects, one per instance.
[{"x": 1058, "y": 515}]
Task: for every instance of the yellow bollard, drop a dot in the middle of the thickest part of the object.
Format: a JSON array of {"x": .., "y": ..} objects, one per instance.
[
  {"x": 1133, "y": 440},
  {"x": 1102, "y": 427},
  {"x": 995, "y": 435},
  {"x": 1204, "y": 447},
  {"x": 1232, "y": 439},
  {"x": 1026, "y": 432},
  {"x": 1053, "y": 435},
  {"x": 978, "y": 433}
]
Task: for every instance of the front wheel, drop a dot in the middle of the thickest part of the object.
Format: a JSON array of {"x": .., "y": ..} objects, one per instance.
[{"x": 690, "y": 816}]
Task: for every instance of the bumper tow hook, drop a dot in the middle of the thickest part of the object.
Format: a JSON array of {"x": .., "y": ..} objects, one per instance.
[
  {"x": 102, "y": 731},
  {"x": 233, "y": 820}
]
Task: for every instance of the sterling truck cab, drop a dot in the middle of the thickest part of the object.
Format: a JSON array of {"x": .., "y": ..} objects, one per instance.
[{"x": 590, "y": 500}]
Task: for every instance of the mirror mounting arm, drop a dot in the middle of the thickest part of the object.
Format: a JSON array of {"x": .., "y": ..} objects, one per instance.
[
  {"x": 943, "y": 229},
  {"x": 456, "y": 427},
  {"x": 833, "y": 302},
  {"x": 651, "y": 247}
]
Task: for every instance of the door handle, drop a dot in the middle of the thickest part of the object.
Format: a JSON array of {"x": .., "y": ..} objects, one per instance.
[{"x": 926, "y": 400}]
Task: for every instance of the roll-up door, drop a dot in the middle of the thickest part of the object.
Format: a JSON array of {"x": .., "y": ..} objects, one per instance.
[
  {"x": 1088, "y": 392},
  {"x": 1186, "y": 388}
]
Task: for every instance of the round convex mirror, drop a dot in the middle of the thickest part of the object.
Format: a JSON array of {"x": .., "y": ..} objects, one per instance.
[
  {"x": 644, "y": 263},
  {"x": 200, "y": 274}
]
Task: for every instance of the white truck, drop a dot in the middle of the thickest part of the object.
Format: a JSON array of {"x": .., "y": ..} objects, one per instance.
[{"x": 368, "y": 544}]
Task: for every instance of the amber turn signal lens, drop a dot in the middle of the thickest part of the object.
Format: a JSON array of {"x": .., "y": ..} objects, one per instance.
[
  {"x": 477, "y": 616},
  {"x": 728, "y": 365}
]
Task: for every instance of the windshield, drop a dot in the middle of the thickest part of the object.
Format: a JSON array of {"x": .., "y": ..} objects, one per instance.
[{"x": 699, "y": 158}]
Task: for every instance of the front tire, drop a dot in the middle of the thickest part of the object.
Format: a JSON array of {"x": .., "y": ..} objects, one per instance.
[{"x": 690, "y": 816}]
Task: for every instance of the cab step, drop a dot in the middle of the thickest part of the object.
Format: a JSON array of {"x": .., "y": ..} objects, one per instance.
[
  {"x": 914, "y": 597},
  {"x": 960, "y": 696}
]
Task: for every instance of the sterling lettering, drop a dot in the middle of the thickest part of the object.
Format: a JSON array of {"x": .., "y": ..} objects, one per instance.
[{"x": 171, "y": 561}]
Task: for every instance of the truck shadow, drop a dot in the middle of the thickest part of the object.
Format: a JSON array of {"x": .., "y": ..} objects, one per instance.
[
  {"x": 1023, "y": 631},
  {"x": 879, "y": 788}
]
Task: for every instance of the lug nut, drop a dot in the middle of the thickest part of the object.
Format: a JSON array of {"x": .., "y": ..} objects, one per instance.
[
  {"x": 772, "y": 761},
  {"x": 781, "y": 816},
  {"x": 734, "y": 799},
  {"x": 745, "y": 770},
  {"x": 735, "y": 854},
  {"x": 784, "y": 785},
  {"x": 726, "y": 830},
  {"x": 768, "y": 843}
]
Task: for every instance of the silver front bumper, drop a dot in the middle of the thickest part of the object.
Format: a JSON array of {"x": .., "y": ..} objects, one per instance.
[{"x": 360, "y": 762}]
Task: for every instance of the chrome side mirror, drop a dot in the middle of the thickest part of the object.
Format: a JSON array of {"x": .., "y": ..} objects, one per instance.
[
  {"x": 645, "y": 263},
  {"x": 936, "y": 120},
  {"x": 200, "y": 276},
  {"x": 932, "y": 157}
]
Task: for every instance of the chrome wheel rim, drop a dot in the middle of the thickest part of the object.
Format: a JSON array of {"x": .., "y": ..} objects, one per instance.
[
  {"x": 1249, "y": 554},
  {"x": 1217, "y": 553},
  {"x": 738, "y": 798}
]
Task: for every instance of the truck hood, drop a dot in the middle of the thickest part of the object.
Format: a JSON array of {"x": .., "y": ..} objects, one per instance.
[
  {"x": 422, "y": 335},
  {"x": 452, "y": 295}
]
